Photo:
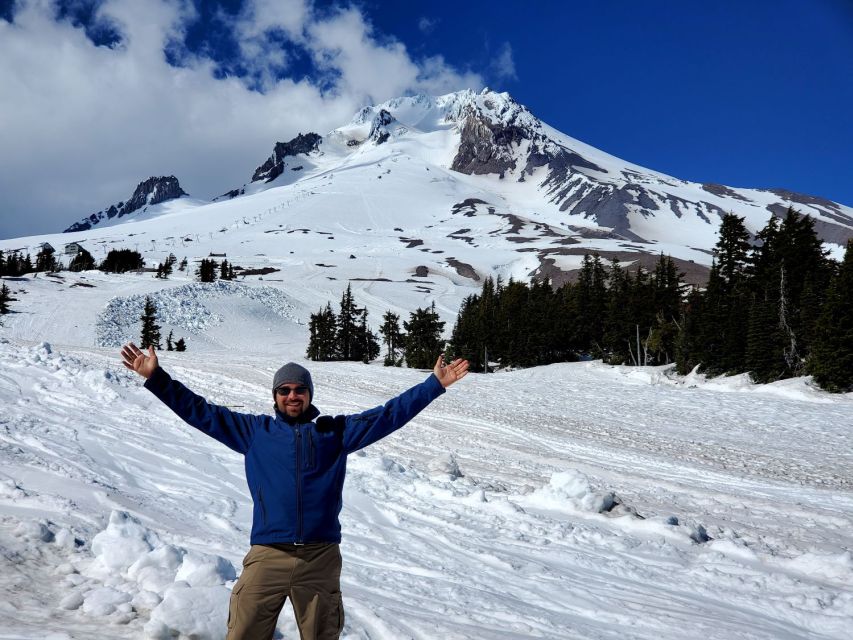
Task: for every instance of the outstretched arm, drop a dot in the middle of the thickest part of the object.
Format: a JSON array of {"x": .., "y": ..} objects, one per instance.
[
  {"x": 235, "y": 430},
  {"x": 366, "y": 428}
]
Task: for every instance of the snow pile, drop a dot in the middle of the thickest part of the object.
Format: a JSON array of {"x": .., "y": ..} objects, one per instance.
[
  {"x": 571, "y": 489},
  {"x": 445, "y": 467},
  {"x": 182, "y": 307},
  {"x": 135, "y": 571}
]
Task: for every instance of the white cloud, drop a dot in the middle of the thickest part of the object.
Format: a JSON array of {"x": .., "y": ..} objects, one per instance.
[
  {"x": 504, "y": 66},
  {"x": 81, "y": 125}
]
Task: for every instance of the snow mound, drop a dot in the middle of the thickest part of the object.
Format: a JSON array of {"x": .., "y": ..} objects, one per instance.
[
  {"x": 837, "y": 566},
  {"x": 571, "y": 489},
  {"x": 184, "y": 590},
  {"x": 182, "y": 307},
  {"x": 190, "y": 612},
  {"x": 445, "y": 467},
  {"x": 122, "y": 542}
]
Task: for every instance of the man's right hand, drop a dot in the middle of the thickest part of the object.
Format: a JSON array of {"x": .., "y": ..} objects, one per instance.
[{"x": 138, "y": 361}]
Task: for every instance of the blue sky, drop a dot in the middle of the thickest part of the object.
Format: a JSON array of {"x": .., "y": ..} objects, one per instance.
[{"x": 99, "y": 95}]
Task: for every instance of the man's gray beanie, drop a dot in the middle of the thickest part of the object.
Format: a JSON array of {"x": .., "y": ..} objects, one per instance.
[{"x": 292, "y": 372}]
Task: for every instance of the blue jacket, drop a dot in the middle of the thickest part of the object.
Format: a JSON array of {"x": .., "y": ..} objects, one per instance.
[{"x": 295, "y": 472}]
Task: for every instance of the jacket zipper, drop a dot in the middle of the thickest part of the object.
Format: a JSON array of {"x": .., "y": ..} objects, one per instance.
[
  {"x": 298, "y": 485},
  {"x": 312, "y": 452},
  {"x": 263, "y": 508}
]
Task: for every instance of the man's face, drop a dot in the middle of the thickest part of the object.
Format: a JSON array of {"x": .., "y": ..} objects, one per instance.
[{"x": 292, "y": 399}]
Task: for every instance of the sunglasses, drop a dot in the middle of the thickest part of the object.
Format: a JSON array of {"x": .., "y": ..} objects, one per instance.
[{"x": 301, "y": 390}]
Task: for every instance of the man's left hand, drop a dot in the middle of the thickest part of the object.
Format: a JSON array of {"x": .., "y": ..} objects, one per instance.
[{"x": 448, "y": 374}]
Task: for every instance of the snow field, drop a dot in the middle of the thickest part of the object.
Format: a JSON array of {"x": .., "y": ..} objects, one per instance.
[{"x": 571, "y": 501}]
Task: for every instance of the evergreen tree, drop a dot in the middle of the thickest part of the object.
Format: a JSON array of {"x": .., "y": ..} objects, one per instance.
[
  {"x": 618, "y": 325},
  {"x": 542, "y": 340},
  {"x": 366, "y": 346},
  {"x": 486, "y": 322},
  {"x": 466, "y": 340},
  {"x": 14, "y": 265},
  {"x": 322, "y": 341},
  {"x": 122, "y": 260},
  {"x": 393, "y": 339},
  {"x": 183, "y": 265},
  {"x": 589, "y": 304},
  {"x": 180, "y": 345},
  {"x": 666, "y": 285},
  {"x": 642, "y": 312},
  {"x": 7, "y": 264},
  {"x": 83, "y": 261},
  {"x": 46, "y": 260},
  {"x": 226, "y": 272},
  {"x": 765, "y": 360},
  {"x": 831, "y": 358},
  {"x": 732, "y": 249},
  {"x": 169, "y": 345},
  {"x": 150, "y": 329},
  {"x": 165, "y": 268},
  {"x": 511, "y": 346},
  {"x": 423, "y": 337},
  {"x": 792, "y": 273},
  {"x": 689, "y": 347},
  {"x": 5, "y": 298},
  {"x": 348, "y": 326},
  {"x": 206, "y": 271}
]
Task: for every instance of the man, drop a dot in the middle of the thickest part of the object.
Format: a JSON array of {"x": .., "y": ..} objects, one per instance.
[{"x": 295, "y": 466}]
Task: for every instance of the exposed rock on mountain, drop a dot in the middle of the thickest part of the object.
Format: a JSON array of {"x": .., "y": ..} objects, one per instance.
[
  {"x": 228, "y": 195},
  {"x": 275, "y": 164},
  {"x": 379, "y": 129},
  {"x": 152, "y": 191}
]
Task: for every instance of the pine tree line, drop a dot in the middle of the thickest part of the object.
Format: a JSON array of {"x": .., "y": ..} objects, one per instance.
[
  {"x": 775, "y": 308},
  {"x": 346, "y": 335},
  {"x": 607, "y": 313},
  {"x": 116, "y": 261},
  {"x": 14, "y": 264},
  {"x": 207, "y": 270}
]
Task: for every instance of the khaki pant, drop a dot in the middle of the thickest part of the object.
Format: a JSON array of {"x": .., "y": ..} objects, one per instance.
[{"x": 309, "y": 574}]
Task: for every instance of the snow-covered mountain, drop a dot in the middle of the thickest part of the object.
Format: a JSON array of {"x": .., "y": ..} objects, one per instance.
[
  {"x": 153, "y": 191},
  {"x": 541, "y": 197}
]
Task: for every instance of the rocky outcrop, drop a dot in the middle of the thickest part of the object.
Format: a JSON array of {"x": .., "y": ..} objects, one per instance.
[
  {"x": 152, "y": 191},
  {"x": 275, "y": 164},
  {"x": 230, "y": 195},
  {"x": 379, "y": 132}
]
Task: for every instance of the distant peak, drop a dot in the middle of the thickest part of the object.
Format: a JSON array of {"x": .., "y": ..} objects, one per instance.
[{"x": 154, "y": 190}]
